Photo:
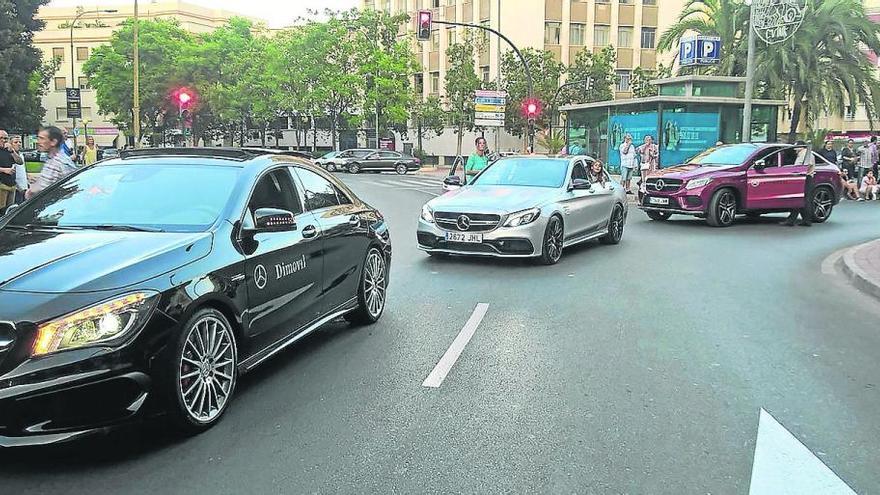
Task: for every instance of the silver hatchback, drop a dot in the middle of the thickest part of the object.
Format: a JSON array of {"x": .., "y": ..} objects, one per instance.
[{"x": 525, "y": 206}]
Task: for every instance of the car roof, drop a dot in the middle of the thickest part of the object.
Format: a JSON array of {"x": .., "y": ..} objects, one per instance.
[{"x": 229, "y": 157}]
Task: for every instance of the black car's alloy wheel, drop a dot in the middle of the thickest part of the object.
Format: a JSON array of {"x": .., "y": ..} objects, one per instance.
[
  {"x": 822, "y": 201},
  {"x": 401, "y": 169},
  {"x": 372, "y": 290},
  {"x": 205, "y": 365},
  {"x": 354, "y": 168},
  {"x": 722, "y": 208},
  {"x": 554, "y": 237},
  {"x": 615, "y": 227}
]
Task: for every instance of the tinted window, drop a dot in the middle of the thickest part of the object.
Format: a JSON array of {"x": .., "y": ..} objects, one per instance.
[
  {"x": 320, "y": 193},
  {"x": 149, "y": 196},
  {"x": 275, "y": 190},
  {"x": 724, "y": 155},
  {"x": 389, "y": 154},
  {"x": 361, "y": 153},
  {"x": 579, "y": 172},
  {"x": 538, "y": 172}
]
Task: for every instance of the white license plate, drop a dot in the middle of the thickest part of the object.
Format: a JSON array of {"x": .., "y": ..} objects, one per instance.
[
  {"x": 464, "y": 237},
  {"x": 657, "y": 201}
]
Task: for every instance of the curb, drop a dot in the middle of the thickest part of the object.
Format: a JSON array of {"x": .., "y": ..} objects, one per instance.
[{"x": 859, "y": 277}]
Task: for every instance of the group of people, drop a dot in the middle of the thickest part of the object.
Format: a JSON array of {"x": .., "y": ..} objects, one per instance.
[
  {"x": 858, "y": 168},
  {"x": 14, "y": 184},
  {"x": 645, "y": 156}
]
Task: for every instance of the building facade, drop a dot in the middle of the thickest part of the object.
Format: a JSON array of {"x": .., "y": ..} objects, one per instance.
[{"x": 93, "y": 30}]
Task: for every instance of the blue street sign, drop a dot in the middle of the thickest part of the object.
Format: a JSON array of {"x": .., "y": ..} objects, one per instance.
[
  {"x": 484, "y": 100},
  {"x": 699, "y": 50}
]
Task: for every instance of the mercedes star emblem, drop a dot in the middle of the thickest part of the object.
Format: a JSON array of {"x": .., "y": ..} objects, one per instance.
[
  {"x": 464, "y": 222},
  {"x": 659, "y": 185},
  {"x": 260, "y": 277}
]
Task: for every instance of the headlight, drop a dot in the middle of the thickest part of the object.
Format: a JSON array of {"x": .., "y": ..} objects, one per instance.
[
  {"x": 427, "y": 214},
  {"x": 523, "y": 217},
  {"x": 698, "y": 183},
  {"x": 102, "y": 322}
]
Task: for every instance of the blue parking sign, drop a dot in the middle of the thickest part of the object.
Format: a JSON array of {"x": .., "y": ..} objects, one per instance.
[
  {"x": 687, "y": 51},
  {"x": 699, "y": 50}
]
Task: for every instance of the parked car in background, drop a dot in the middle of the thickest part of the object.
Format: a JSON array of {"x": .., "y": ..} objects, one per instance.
[
  {"x": 107, "y": 153},
  {"x": 750, "y": 179},
  {"x": 337, "y": 160},
  {"x": 383, "y": 160}
]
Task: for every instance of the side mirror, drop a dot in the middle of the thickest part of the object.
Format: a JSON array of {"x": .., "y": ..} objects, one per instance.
[
  {"x": 760, "y": 165},
  {"x": 579, "y": 185},
  {"x": 274, "y": 220},
  {"x": 452, "y": 180}
]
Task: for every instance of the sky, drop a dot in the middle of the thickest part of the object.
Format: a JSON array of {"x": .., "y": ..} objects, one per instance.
[{"x": 277, "y": 13}]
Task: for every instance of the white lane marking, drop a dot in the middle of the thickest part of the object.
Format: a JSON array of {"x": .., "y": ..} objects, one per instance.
[
  {"x": 438, "y": 374},
  {"x": 421, "y": 183},
  {"x": 426, "y": 192},
  {"x": 783, "y": 465}
]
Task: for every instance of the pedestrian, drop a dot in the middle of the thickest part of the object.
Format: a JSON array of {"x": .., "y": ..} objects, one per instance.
[
  {"x": 21, "y": 177},
  {"x": 479, "y": 159},
  {"x": 90, "y": 152},
  {"x": 649, "y": 155},
  {"x": 805, "y": 211},
  {"x": 58, "y": 166},
  {"x": 827, "y": 152},
  {"x": 627, "y": 162},
  {"x": 869, "y": 188},
  {"x": 867, "y": 157},
  {"x": 8, "y": 159},
  {"x": 849, "y": 158},
  {"x": 876, "y": 157},
  {"x": 849, "y": 185}
]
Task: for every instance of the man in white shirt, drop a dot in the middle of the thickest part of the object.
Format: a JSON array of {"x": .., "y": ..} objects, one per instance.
[
  {"x": 627, "y": 162},
  {"x": 21, "y": 178}
]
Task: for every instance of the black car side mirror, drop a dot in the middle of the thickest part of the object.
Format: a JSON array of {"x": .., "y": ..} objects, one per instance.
[
  {"x": 579, "y": 184},
  {"x": 452, "y": 180},
  {"x": 274, "y": 220}
]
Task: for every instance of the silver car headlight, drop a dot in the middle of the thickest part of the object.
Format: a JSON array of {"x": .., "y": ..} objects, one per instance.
[
  {"x": 698, "y": 183},
  {"x": 427, "y": 214},
  {"x": 99, "y": 323},
  {"x": 524, "y": 217}
]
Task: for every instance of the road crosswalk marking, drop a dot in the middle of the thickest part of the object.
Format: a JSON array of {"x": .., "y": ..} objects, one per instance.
[{"x": 438, "y": 374}]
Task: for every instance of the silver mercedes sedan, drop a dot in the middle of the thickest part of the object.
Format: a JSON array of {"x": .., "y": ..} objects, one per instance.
[{"x": 525, "y": 207}]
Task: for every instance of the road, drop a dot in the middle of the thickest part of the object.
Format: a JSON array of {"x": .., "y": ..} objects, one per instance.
[{"x": 637, "y": 368}]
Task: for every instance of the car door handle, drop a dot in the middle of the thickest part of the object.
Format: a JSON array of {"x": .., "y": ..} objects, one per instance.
[
  {"x": 310, "y": 232},
  {"x": 354, "y": 221}
]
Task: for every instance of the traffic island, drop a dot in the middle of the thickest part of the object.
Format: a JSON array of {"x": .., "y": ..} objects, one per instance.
[{"x": 862, "y": 265}]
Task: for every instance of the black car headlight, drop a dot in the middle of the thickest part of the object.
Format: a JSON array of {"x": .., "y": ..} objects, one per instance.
[{"x": 107, "y": 321}]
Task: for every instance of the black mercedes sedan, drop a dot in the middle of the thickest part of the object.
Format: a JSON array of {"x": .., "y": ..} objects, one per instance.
[
  {"x": 149, "y": 283},
  {"x": 380, "y": 161}
]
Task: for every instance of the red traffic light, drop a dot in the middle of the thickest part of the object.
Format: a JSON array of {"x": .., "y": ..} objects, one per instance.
[
  {"x": 183, "y": 97},
  {"x": 424, "y": 21},
  {"x": 531, "y": 108}
]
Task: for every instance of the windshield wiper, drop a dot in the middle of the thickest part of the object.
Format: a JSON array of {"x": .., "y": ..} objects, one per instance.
[{"x": 126, "y": 228}]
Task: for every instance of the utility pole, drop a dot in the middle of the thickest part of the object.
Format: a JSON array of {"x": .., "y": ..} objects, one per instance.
[
  {"x": 136, "y": 109},
  {"x": 750, "y": 80}
]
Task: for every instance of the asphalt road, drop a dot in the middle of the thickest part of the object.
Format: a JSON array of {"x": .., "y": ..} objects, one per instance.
[{"x": 637, "y": 368}]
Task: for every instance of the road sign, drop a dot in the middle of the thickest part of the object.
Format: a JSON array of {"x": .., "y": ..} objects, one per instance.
[
  {"x": 74, "y": 104},
  {"x": 699, "y": 50},
  {"x": 482, "y": 93},
  {"x": 777, "y": 20},
  {"x": 488, "y": 123},
  {"x": 490, "y": 115},
  {"x": 484, "y": 100},
  {"x": 489, "y": 108}
]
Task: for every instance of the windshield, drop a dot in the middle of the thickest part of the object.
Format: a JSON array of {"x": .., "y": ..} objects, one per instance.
[
  {"x": 724, "y": 155},
  {"x": 534, "y": 172},
  {"x": 332, "y": 154},
  {"x": 149, "y": 197}
]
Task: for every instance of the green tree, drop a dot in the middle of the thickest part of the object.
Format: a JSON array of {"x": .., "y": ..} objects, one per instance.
[
  {"x": 727, "y": 19},
  {"x": 429, "y": 119},
  {"x": 552, "y": 143},
  {"x": 20, "y": 86},
  {"x": 641, "y": 80},
  {"x": 598, "y": 70},
  {"x": 461, "y": 83},
  {"x": 546, "y": 72},
  {"x": 110, "y": 72}
]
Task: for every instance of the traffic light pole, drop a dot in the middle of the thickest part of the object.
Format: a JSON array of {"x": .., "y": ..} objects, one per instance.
[{"x": 521, "y": 58}]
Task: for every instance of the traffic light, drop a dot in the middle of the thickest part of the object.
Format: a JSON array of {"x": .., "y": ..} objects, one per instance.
[
  {"x": 423, "y": 25},
  {"x": 531, "y": 108},
  {"x": 185, "y": 99}
]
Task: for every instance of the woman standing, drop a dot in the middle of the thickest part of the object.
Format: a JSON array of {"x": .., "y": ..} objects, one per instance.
[
  {"x": 58, "y": 166},
  {"x": 649, "y": 158}
]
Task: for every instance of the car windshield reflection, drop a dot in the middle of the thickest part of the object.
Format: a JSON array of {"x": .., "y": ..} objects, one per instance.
[{"x": 526, "y": 172}]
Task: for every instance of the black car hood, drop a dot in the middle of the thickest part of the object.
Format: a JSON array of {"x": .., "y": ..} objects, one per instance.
[{"x": 60, "y": 261}]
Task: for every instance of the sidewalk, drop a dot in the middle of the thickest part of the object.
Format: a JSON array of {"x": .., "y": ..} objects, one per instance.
[{"x": 862, "y": 265}]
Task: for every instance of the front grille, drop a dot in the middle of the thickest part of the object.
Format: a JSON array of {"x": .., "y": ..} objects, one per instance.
[
  {"x": 475, "y": 222},
  {"x": 665, "y": 185},
  {"x": 503, "y": 246}
]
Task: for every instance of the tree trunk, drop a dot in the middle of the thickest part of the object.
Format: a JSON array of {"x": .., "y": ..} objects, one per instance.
[
  {"x": 243, "y": 133},
  {"x": 795, "y": 119},
  {"x": 419, "y": 136},
  {"x": 333, "y": 131},
  {"x": 314, "y": 134},
  {"x": 460, "y": 136},
  {"x": 263, "y": 135}
]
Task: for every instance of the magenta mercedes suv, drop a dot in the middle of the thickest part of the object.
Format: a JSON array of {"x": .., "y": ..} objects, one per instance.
[{"x": 749, "y": 179}]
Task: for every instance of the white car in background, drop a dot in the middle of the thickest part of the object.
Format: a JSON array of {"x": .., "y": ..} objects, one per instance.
[{"x": 337, "y": 160}]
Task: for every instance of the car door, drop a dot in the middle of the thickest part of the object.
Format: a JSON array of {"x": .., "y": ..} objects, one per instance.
[
  {"x": 284, "y": 269},
  {"x": 575, "y": 206},
  {"x": 389, "y": 159},
  {"x": 371, "y": 161},
  {"x": 345, "y": 234},
  {"x": 601, "y": 202},
  {"x": 780, "y": 183}
]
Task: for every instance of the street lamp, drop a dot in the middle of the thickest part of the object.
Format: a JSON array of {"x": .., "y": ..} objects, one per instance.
[{"x": 73, "y": 83}]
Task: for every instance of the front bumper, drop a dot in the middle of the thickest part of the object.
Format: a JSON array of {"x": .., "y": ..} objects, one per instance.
[
  {"x": 682, "y": 202},
  {"x": 501, "y": 242}
]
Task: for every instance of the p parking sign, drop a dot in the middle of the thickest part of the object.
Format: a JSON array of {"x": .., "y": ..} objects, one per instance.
[{"x": 699, "y": 50}]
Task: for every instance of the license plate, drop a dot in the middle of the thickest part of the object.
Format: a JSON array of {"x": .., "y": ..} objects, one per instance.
[
  {"x": 464, "y": 237},
  {"x": 658, "y": 201}
]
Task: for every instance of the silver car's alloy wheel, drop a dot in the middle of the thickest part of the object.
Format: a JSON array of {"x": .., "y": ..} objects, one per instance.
[
  {"x": 615, "y": 227},
  {"x": 206, "y": 375},
  {"x": 823, "y": 202},
  {"x": 555, "y": 238},
  {"x": 354, "y": 168},
  {"x": 401, "y": 169},
  {"x": 331, "y": 167},
  {"x": 375, "y": 283}
]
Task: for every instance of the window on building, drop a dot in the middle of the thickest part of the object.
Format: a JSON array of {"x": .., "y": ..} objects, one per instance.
[
  {"x": 419, "y": 83},
  {"x": 84, "y": 82},
  {"x": 450, "y": 36},
  {"x": 551, "y": 32},
  {"x": 625, "y": 1},
  {"x": 576, "y": 34},
  {"x": 601, "y": 35},
  {"x": 82, "y": 53},
  {"x": 484, "y": 70},
  {"x": 58, "y": 53},
  {"x": 60, "y": 83},
  {"x": 649, "y": 36},
  {"x": 435, "y": 3},
  {"x": 649, "y": 2},
  {"x": 484, "y": 36},
  {"x": 850, "y": 112},
  {"x": 625, "y": 37},
  {"x": 435, "y": 82},
  {"x": 60, "y": 114},
  {"x": 623, "y": 80},
  {"x": 435, "y": 40}
]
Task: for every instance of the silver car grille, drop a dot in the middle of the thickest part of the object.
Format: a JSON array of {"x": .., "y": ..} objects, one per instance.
[{"x": 466, "y": 222}]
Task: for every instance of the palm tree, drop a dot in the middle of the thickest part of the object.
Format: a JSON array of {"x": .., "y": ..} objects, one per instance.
[
  {"x": 727, "y": 19},
  {"x": 822, "y": 67}
]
